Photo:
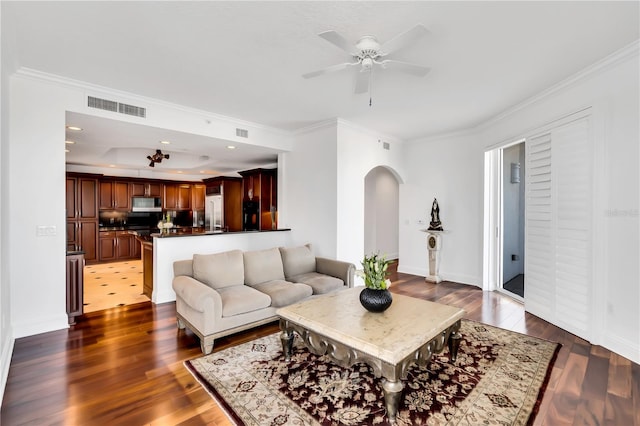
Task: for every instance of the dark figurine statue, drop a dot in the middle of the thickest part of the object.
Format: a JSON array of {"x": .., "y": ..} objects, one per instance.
[{"x": 435, "y": 224}]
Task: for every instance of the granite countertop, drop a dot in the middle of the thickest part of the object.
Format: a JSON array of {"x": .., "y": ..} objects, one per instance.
[
  {"x": 74, "y": 252},
  {"x": 194, "y": 232}
]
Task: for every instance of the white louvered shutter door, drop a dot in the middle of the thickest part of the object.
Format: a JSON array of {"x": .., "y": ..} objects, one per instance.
[{"x": 559, "y": 195}]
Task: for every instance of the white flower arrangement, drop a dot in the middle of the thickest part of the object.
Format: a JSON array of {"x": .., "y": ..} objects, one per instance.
[{"x": 375, "y": 272}]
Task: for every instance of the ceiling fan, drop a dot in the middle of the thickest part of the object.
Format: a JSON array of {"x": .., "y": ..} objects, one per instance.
[
  {"x": 368, "y": 52},
  {"x": 157, "y": 158}
]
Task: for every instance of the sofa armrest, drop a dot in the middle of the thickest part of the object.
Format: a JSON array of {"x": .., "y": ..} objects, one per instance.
[
  {"x": 336, "y": 268},
  {"x": 197, "y": 295}
]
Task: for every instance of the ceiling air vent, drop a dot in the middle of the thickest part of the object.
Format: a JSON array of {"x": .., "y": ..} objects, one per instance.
[
  {"x": 132, "y": 110},
  {"x": 242, "y": 133},
  {"x": 114, "y": 106},
  {"x": 103, "y": 104},
  {"x": 385, "y": 145}
]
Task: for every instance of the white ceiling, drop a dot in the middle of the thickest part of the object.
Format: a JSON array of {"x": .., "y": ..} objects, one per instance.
[{"x": 245, "y": 59}]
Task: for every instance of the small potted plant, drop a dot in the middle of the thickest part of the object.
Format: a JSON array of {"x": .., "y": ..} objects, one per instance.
[{"x": 375, "y": 297}]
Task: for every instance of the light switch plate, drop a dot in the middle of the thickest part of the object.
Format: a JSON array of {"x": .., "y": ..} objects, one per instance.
[{"x": 46, "y": 230}]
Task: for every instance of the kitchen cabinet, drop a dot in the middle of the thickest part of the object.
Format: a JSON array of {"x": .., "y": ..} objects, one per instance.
[
  {"x": 260, "y": 201},
  {"x": 145, "y": 189},
  {"x": 114, "y": 195},
  {"x": 198, "y": 192},
  {"x": 75, "y": 285},
  {"x": 147, "y": 268},
  {"x": 116, "y": 245},
  {"x": 82, "y": 215},
  {"x": 177, "y": 197}
]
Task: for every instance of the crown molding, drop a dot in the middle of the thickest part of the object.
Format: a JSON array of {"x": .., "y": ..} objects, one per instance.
[
  {"x": 65, "y": 82},
  {"x": 372, "y": 132},
  {"x": 332, "y": 122},
  {"x": 605, "y": 64}
]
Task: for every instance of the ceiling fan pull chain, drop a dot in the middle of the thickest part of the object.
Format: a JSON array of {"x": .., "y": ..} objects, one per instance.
[{"x": 370, "y": 84}]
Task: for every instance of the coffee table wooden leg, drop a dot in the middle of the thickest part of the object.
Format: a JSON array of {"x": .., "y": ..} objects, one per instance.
[
  {"x": 286, "y": 337},
  {"x": 454, "y": 344},
  {"x": 392, "y": 395}
]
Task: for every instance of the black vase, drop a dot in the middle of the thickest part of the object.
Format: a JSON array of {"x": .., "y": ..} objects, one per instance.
[{"x": 375, "y": 300}]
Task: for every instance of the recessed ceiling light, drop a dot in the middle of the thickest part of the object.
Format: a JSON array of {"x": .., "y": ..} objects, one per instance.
[
  {"x": 231, "y": 147},
  {"x": 165, "y": 142},
  {"x": 66, "y": 150},
  {"x": 112, "y": 165},
  {"x": 77, "y": 129},
  {"x": 69, "y": 142}
]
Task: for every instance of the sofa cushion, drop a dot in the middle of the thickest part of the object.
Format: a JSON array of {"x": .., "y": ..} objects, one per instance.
[
  {"x": 241, "y": 299},
  {"x": 219, "y": 270},
  {"x": 261, "y": 266},
  {"x": 297, "y": 260},
  {"x": 283, "y": 293},
  {"x": 321, "y": 284}
]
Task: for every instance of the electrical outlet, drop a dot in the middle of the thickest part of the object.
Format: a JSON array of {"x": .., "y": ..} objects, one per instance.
[{"x": 46, "y": 230}]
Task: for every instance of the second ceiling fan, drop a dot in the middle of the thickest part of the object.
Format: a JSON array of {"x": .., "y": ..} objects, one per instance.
[{"x": 368, "y": 53}]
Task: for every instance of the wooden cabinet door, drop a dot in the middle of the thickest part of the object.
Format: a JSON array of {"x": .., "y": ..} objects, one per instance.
[
  {"x": 87, "y": 240},
  {"x": 136, "y": 250},
  {"x": 105, "y": 197},
  {"x": 75, "y": 278},
  {"x": 138, "y": 189},
  {"x": 123, "y": 245},
  {"x": 170, "y": 201},
  {"x": 70, "y": 193},
  {"x": 198, "y": 195},
  {"x": 87, "y": 192},
  {"x": 154, "y": 190},
  {"x": 184, "y": 197},
  {"x": 107, "y": 246},
  {"x": 72, "y": 235},
  {"x": 121, "y": 198}
]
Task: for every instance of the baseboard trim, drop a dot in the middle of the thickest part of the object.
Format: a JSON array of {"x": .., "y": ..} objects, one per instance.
[
  {"x": 623, "y": 347},
  {"x": 456, "y": 278},
  {"x": 43, "y": 325},
  {"x": 5, "y": 362}
]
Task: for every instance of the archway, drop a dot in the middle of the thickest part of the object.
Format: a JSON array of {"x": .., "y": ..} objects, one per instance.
[{"x": 381, "y": 212}]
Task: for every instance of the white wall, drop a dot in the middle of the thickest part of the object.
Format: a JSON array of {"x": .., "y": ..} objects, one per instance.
[
  {"x": 36, "y": 270},
  {"x": 6, "y": 331},
  {"x": 381, "y": 213},
  {"x": 309, "y": 181},
  {"x": 449, "y": 168},
  {"x": 611, "y": 88},
  {"x": 359, "y": 151}
]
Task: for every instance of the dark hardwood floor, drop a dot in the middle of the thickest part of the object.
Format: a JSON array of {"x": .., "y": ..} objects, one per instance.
[{"x": 124, "y": 367}]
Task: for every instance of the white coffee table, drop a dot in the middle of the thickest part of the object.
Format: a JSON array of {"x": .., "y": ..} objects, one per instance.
[{"x": 409, "y": 332}]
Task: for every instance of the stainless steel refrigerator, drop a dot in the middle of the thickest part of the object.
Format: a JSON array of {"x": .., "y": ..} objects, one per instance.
[{"x": 213, "y": 213}]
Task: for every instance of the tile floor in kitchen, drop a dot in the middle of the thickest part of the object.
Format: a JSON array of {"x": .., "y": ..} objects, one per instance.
[{"x": 109, "y": 285}]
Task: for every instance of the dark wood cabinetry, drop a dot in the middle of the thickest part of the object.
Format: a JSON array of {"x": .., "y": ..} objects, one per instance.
[
  {"x": 82, "y": 216},
  {"x": 75, "y": 285},
  {"x": 260, "y": 203},
  {"x": 114, "y": 195},
  {"x": 145, "y": 189},
  {"x": 147, "y": 268},
  {"x": 177, "y": 197},
  {"x": 117, "y": 245},
  {"x": 198, "y": 196},
  {"x": 230, "y": 188}
]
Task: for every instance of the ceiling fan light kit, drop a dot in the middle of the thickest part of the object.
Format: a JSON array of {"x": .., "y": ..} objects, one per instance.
[
  {"x": 368, "y": 52},
  {"x": 156, "y": 158}
]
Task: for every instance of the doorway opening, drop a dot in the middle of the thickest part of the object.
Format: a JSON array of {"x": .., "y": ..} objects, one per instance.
[
  {"x": 381, "y": 217},
  {"x": 504, "y": 241},
  {"x": 513, "y": 201}
]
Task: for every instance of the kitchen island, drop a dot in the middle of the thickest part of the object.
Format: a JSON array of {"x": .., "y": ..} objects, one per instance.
[{"x": 179, "y": 245}]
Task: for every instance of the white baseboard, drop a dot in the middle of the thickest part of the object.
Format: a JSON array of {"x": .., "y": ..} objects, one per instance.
[
  {"x": 456, "y": 278},
  {"x": 39, "y": 326},
  {"x": 623, "y": 347},
  {"x": 5, "y": 361}
]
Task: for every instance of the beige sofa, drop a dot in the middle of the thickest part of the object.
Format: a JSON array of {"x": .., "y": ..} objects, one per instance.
[{"x": 223, "y": 293}]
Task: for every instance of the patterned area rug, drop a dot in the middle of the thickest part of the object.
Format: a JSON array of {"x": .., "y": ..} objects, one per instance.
[{"x": 498, "y": 378}]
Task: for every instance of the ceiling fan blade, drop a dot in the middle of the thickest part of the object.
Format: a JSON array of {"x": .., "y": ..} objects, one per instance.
[
  {"x": 403, "y": 39},
  {"x": 338, "y": 41},
  {"x": 330, "y": 69},
  {"x": 362, "y": 81},
  {"x": 417, "y": 70}
]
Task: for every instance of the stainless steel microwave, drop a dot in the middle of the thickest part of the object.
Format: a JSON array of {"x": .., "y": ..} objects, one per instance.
[{"x": 146, "y": 204}]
